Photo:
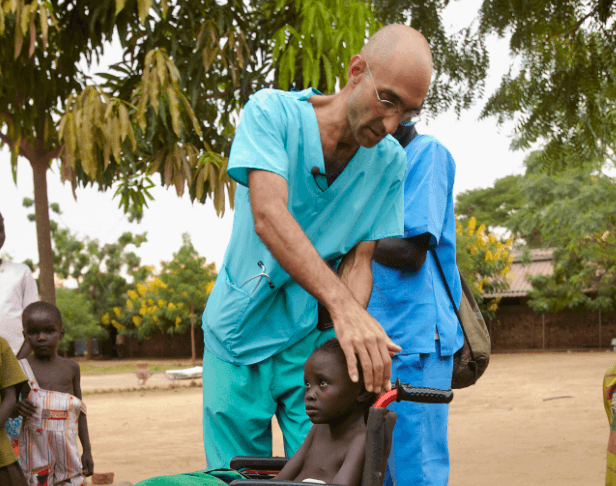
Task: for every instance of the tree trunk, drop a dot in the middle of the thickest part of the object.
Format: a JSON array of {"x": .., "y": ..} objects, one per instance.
[
  {"x": 90, "y": 349},
  {"x": 43, "y": 230},
  {"x": 192, "y": 333}
]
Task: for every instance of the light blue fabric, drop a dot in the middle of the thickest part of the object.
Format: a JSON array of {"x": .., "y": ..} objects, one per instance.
[
  {"x": 278, "y": 132},
  {"x": 419, "y": 453},
  {"x": 410, "y": 305},
  {"x": 239, "y": 402}
]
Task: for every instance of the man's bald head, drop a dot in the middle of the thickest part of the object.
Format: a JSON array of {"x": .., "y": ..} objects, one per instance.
[
  {"x": 400, "y": 46},
  {"x": 387, "y": 82}
]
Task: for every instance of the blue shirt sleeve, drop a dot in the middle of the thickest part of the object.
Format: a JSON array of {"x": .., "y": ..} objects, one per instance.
[
  {"x": 426, "y": 187},
  {"x": 259, "y": 142}
]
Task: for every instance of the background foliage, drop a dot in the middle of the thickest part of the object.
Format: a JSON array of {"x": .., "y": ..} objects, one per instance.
[
  {"x": 484, "y": 262},
  {"x": 170, "y": 301},
  {"x": 99, "y": 273}
]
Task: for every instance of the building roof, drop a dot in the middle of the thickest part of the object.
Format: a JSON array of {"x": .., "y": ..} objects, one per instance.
[{"x": 521, "y": 274}]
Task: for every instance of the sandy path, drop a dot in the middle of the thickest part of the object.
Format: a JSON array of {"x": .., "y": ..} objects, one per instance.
[
  {"x": 517, "y": 437},
  {"x": 90, "y": 383}
]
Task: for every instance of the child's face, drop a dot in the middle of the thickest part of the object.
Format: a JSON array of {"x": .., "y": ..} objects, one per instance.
[
  {"x": 43, "y": 333},
  {"x": 329, "y": 392}
]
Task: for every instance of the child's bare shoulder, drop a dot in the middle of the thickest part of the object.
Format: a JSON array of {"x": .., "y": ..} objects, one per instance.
[{"x": 70, "y": 365}]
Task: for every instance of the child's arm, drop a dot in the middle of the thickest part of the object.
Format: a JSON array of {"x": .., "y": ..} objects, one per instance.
[
  {"x": 293, "y": 467},
  {"x": 87, "y": 463},
  {"x": 9, "y": 398},
  {"x": 352, "y": 469}
]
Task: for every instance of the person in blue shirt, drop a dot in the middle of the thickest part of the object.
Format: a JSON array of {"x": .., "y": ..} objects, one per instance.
[
  {"x": 409, "y": 299},
  {"x": 320, "y": 181}
]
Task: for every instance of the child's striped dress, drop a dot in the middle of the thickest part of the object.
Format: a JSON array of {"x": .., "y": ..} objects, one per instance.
[{"x": 48, "y": 440}]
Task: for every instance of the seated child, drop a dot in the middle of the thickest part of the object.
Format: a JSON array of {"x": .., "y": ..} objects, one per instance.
[
  {"x": 11, "y": 376},
  {"x": 333, "y": 451},
  {"x": 51, "y": 406}
]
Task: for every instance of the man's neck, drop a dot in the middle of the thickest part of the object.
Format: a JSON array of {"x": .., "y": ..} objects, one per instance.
[{"x": 337, "y": 140}]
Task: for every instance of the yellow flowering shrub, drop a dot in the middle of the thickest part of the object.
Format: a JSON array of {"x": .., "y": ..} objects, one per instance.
[
  {"x": 169, "y": 302},
  {"x": 485, "y": 261}
]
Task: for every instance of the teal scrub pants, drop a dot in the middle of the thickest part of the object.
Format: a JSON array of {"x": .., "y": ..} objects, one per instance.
[{"x": 239, "y": 402}]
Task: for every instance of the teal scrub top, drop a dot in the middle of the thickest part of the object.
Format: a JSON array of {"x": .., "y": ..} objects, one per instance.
[
  {"x": 245, "y": 322},
  {"x": 409, "y": 305}
]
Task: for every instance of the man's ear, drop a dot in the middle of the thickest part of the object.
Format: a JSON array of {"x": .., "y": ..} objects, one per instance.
[
  {"x": 365, "y": 396},
  {"x": 61, "y": 333},
  {"x": 357, "y": 66}
]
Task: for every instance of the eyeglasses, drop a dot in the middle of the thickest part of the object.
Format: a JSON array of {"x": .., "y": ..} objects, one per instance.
[{"x": 387, "y": 108}]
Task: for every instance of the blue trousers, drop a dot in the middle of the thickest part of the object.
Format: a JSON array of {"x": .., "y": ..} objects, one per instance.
[
  {"x": 239, "y": 402},
  {"x": 419, "y": 454}
]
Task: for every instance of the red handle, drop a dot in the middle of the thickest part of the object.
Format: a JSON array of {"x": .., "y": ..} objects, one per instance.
[{"x": 386, "y": 399}]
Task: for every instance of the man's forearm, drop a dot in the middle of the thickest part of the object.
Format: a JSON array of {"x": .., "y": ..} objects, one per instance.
[
  {"x": 292, "y": 249},
  {"x": 356, "y": 271},
  {"x": 358, "y": 332}
]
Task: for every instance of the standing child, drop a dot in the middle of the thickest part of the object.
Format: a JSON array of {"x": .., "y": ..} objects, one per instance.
[
  {"x": 53, "y": 412},
  {"x": 10, "y": 377},
  {"x": 333, "y": 451}
]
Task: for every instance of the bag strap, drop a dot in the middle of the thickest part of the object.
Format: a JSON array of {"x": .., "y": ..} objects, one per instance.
[{"x": 455, "y": 309}]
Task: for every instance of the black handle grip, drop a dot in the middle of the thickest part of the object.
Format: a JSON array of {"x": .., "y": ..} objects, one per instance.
[
  {"x": 254, "y": 462},
  {"x": 411, "y": 393}
]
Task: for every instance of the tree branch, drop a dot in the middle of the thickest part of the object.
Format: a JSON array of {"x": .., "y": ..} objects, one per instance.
[
  {"x": 572, "y": 30},
  {"x": 55, "y": 153},
  {"x": 7, "y": 140},
  {"x": 24, "y": 149}
]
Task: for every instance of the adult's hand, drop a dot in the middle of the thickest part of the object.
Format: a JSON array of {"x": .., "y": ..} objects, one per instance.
[{"x": 361, "y": 335}]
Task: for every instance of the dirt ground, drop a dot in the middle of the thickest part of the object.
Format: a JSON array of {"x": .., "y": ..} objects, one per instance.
[{"x": 502, "y": 431}]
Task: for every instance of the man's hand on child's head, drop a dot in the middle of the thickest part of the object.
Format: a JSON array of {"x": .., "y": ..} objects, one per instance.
[
  {"x": 361, "y": 335},
  {"x": 87, "y": 464},
  {"x": 26, "y": 408}
]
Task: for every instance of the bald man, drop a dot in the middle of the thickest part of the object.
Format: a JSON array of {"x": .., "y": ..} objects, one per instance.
[{"x": 319, "y": 179}]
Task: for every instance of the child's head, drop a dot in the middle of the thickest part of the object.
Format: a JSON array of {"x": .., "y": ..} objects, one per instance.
[
  {"x": 42, "y": 323},
  {"x": 330, "y": 394}
]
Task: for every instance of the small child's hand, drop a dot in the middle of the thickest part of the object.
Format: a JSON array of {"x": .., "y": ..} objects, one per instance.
[
  {"x": 87, "y": 464},
  {"x": 26, "y": 408}
]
